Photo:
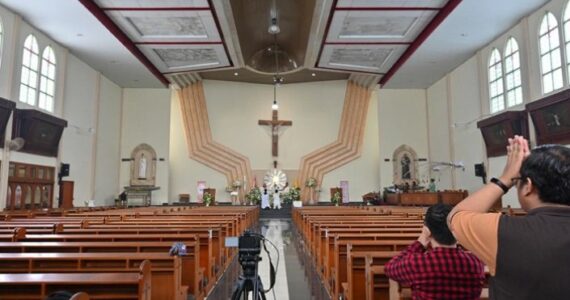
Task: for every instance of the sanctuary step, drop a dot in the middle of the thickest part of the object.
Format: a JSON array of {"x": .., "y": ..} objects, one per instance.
[{"x": 283, "y": 213}]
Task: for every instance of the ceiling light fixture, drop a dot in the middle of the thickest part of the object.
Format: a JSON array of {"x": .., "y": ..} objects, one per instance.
[
  {"x": 274, "y": 27},
  {"x": 277, "y": 80}
]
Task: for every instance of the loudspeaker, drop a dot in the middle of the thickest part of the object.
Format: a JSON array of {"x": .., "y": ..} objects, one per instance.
[
  {"x": 480, "y": 170},
  {"x": 64, "y": 170}
]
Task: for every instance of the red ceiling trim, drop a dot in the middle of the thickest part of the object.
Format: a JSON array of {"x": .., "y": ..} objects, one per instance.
[
  {"x": 179, "y": 43},
  {"x": 352, "y": 71},
  {"x": 387, "y": 8},
  {"x": 217, "y": 21},
  {"x": 422, "y": 37},
  {"x": 368, "y": 43},
  {"x": 155, "y": 8},
  {"x": 209, "y": 69},
  {"x": 123, "y": 38}
]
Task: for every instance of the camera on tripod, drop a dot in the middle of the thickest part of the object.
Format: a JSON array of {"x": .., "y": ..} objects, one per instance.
[
  {"x": 249, "y": 246},
  {"x": 249, "y": 249}
]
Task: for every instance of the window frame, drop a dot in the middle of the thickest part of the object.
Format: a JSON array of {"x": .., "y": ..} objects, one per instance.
[
  {"x": 553, "y": 71},
  {"x": 45, "y": 89},
  {"x": 516, "y": 89},
  {"x": 1, "y": 40},
  {"x": 495, "y": 65},
  {"x": 30, "y": 85}
]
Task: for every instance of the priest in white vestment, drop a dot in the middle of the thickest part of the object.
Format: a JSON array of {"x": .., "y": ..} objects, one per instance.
[
  {"x": 276, "y": 200},
  {"x": 265, "y": 200}
]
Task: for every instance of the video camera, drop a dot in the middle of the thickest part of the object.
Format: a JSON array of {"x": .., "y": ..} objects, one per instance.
[
  {"x": 249, "y": 245},
  {"x": 249, "y": 250}
]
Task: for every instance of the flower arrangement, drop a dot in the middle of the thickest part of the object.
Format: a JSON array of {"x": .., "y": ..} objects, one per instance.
[
  {"x": 229, "y": 189},
  {"x": 311, "y": 182},
  {"x": 254, "y": 196},
  {"x": 236, "y": 184},
  {"x": 294, "y": 194},
  {"x": 207, "y": 198},
  {"x": 336, "y": 199}
]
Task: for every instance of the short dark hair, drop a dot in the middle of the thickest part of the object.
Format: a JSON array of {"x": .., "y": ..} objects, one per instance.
[
  {"x": 436, "y": 222},
  {"x": 59, "y": 295},
  {"x": 548, "y": 167}
]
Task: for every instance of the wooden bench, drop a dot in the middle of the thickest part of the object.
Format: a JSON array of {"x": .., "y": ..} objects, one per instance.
[
  {"x": 356, "y": 271},
  {"x": 128, "y": 286},
  {"x": 166, "y": 271},
  {"x": 192, "y": 273}
]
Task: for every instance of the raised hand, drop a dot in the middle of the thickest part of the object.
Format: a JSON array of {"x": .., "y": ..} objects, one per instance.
[{"x": 517, "y": 151}]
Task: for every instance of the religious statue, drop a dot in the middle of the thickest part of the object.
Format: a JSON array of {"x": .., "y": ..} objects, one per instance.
[
  {"x": 405, "y": 162},
  {"x": 142, "y": 167}
]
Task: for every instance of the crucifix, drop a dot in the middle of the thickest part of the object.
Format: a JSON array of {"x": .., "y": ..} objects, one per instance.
[{"x": 275, "y": 123}]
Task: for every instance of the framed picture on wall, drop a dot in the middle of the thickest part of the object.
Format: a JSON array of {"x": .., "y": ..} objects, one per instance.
[
  {"x": 551, "y": 118},
  {"x": 497, "y": 129}
]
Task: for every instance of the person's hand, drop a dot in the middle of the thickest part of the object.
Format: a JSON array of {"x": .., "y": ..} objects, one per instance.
[
  {"x": 425, "y": 237},
  {"x": 517, "y": 151}
]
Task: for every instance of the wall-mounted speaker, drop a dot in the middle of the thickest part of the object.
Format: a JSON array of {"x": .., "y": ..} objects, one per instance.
[{"x": 64, "y": 170}]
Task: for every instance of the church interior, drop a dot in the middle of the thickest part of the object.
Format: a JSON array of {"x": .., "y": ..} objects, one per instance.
[{"x": 129, "y": 125}]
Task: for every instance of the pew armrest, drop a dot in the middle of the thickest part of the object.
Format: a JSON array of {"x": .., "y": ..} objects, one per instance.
[{"x": 345, "y": 290}]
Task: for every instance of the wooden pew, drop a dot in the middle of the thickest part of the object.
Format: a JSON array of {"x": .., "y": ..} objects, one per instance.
[
  {"x": 192, "y": 274},
  {"x": 355, "y": 287},
  {"x": 128, "y": 286},
  {"x": 166, "y": 271},
  {"x": 338, "y": 267},
  {"x": 209, "y": 254}
]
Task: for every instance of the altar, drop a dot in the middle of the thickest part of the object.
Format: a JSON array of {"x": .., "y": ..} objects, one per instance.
[{"x": 144, "y": 193}]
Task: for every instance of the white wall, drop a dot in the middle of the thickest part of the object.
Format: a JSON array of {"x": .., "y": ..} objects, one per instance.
[
  {"x": 87, "y": 100},
  {"x": 77, "y": 142},
  {"x": 234, "y": 110},
  {"x": 108, "y": 135},
  {"x": 146, "y": 119},
  {"x": 439, "y": 136},
  {"x": 466, "y": 91},
  {"x": 402, "y": 120}
]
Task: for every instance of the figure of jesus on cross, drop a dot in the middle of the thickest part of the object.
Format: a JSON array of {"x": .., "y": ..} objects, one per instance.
[{"x": 275, "y": 123}]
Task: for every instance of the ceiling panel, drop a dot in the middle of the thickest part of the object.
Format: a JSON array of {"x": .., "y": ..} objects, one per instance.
[
  {"x": 167, "y": 26},
  {"x": 377, "y": 26},
  {"x": 179, "y": 58},
  {"x": 151, "y": 3},
  {"x": 391, "y": 3},
  {"x": 361, "y": 58}
]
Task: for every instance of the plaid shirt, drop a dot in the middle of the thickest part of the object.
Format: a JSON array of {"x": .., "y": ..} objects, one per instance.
[{"x": 441, "y": 273}]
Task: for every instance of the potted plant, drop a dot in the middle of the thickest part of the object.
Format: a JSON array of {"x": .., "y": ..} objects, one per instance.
[
  {"x": 207, "y": 198},
  {"x": 254, "y": 196},
  {"x": 335, "y": 199}
]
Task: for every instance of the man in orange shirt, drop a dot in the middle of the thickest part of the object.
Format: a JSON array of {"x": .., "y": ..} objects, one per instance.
[{"x": 528, "y": 257}]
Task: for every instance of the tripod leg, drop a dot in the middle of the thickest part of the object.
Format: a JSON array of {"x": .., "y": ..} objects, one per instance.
[
  {"x": 260, "y": 289},
  {"x": 239, "y": 290}
]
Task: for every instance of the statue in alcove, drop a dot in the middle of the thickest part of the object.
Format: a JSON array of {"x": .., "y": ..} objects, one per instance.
[{"x": 143, "y": 166}]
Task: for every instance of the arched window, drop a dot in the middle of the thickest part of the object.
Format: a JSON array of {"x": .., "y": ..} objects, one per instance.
[
  {"x": 550, "y": 58},
  {"x": 513, "y": 81},
  {"x": 496, "y": 90},
  {"x": 566, "y": 26},
  {"x": 1, "y": 40},
  {"x": 47, "y": 80},
  {"x": 30, "y": 62}
]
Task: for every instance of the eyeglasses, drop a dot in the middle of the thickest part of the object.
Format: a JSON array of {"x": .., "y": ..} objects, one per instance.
[{"x": 514, "y": 180}]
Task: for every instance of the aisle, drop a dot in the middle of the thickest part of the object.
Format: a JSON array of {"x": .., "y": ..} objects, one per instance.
[{"x": 290, "y": 279}]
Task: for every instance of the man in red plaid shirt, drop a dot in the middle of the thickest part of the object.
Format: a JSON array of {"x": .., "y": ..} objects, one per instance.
[{"x": 434, "y": 266}]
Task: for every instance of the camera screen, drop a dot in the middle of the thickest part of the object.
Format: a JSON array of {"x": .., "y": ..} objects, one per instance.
[{"x": 231, "y": 242}]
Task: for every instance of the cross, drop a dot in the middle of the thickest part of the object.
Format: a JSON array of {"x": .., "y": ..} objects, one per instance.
[{"x": 275, "y": 123}]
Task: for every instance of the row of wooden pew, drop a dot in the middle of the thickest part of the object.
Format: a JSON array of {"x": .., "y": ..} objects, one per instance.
[
  {"x": 347, "y": 244},
  {"x": 119, "y": 253}
]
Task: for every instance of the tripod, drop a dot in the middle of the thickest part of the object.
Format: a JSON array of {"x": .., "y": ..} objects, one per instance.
[{"x": 249, "y": 281}]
